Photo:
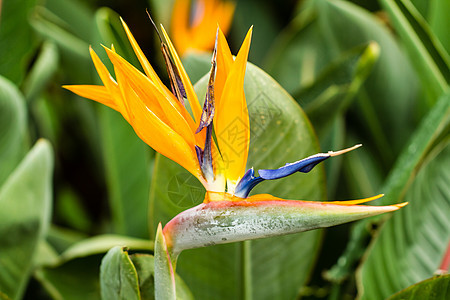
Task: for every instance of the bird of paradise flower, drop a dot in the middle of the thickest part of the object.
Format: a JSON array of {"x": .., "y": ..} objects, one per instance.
[
  {"x": 193, "y": 23},
  {"x": 160, "y": 117}
]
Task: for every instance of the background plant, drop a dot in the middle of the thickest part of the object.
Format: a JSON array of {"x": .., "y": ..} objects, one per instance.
[{"x": 374, "y": 72}]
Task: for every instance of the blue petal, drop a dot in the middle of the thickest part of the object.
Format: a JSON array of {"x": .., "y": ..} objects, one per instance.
[
  {"x": 247, "y": 183},
  {"x": 305, "y": 165}
]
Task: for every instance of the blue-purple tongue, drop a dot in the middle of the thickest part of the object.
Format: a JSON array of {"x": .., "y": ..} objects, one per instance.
[{"x": 249, "y": 181}]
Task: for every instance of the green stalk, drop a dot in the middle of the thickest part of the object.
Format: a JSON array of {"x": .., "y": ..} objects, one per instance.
[{"x": 247, "y": 270}]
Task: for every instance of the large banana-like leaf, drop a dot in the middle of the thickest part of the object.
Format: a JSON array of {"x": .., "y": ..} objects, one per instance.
[
  {"x": 436, "y": 288},
  {"x": 262, "y": 269},
  {"x": 12, "y": 127},
  {"x": 323, "y": 31},
  {"x": 430, "y": 59},
  {"x": 128, "y": 160},
  {"x": 17, "y": 40},
  {"x": 412, "y": 244},
  {"x": 25, "y": 201},
  {"x": 432, "y": 130}
]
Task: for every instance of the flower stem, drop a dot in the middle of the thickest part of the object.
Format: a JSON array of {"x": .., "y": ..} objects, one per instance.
[{"x": 247, "y": 270}]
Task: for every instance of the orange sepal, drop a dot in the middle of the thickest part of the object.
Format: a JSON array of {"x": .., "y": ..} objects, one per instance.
[
  {"x": 159, "y": 135},
  {"x": 232, "y": 122},
  {"x": 165, "y": 108},
  {"x": 94, "y": 92}
]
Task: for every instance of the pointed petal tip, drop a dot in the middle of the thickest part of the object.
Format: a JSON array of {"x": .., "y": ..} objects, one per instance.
[
  {"x": 159, "y": 228},
  {"x": 336, "y": 153},
  {"x": 104, "y": 47},
  {"x": 250, "y": 32},
  {"x": 400, "y": 205}
]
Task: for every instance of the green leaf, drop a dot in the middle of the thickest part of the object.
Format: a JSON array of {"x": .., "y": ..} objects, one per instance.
[
  {"x": 75, "y": 14},
  {"x": 128, "y": 164},
  {"x": 272, "y": 268},
  {"x": 411, "y": 244},
  {"x": 196, "y": 65},
  {"x": 261, "y": 15},
  {"x": 145, "y": 267},
  {"x": 428, "y": 56},
  {"x": 13, "y": 124},
  {"x": 62, "y": 238},
  {"x": 18, "y": 41},
  {"x": 56, "y": 29},
  {"x": 165, "y": 287},
  {"x": 25, "y": 199},
  {"x": 42, "y": 71},
  {"x": 436, "y": 14},
  {"x": 335, "y": 88},
  {"x": 128, "y": 160},
  {"x": 102, "y": 243},
  {"x": 439, "y": 20},
  {"x": 80, "y": 264},
  {"x": 118, "y": 276},
  {"x": 433, "y": 127},
  {"x": 435, "y": 288},
  {"x": 112, "y": 33},
  {"x": 70, "y": 209},
  {"x": 318, "y": 36},
  {"x": 82, "y": 273},
  {"x": 161, "y": 11},
  {"x": 45, "y": 255}
]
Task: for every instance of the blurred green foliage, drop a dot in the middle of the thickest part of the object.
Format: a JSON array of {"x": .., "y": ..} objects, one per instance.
[{"x": 371, "y": 72}]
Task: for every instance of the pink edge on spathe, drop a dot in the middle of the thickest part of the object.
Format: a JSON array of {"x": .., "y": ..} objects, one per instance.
[{"x": 219, "y": 222}]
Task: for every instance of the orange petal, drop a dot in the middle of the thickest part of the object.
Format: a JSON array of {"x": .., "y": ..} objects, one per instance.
[
  {"x": 94, "y": 92},
  {"x": 224, "y": 63},
  {"x": 148, "y": 69},
  {"x": 268, "y": 197},
  {"x": 109, "y": 83},
  {"x": 160, "y": 136},
  {"x": 359, "y": 201},
  {"x": 232, "y": 122},
  {"x": 149, "y": 93},
  {"x": 102, "y": 71},
  {"x": 226, "y": 15}
]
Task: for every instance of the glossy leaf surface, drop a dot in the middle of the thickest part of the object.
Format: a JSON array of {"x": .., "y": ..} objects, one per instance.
[
  {"x": 412, "y": 244},
  {"x": 25, "y": 199},
  {"x": 435, "y": 288},
  {"x": 12, "y": 127},
  {"x": 268, "y": 268},
  {"x": 128, "y": 160}
]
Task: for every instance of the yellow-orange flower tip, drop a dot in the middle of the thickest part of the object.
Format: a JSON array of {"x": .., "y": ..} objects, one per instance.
[
  {"x": 400, "y": 205},
  {"x": 358, "y": 201}
]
